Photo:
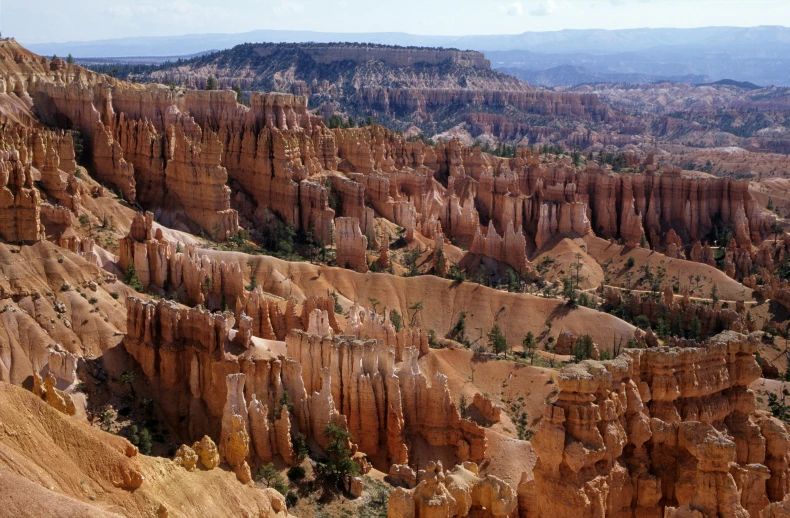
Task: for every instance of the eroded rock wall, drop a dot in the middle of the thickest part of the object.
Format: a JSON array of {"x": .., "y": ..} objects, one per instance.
[
  {"x": 207, "y": 375},
  {"x": 665, "y": 431}
]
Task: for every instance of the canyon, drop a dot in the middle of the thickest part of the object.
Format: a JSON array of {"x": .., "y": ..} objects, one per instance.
[{"x": 195, "y": 292}]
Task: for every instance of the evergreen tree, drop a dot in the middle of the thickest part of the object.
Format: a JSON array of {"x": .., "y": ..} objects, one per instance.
[
  {"x": 496, "y": 340},
  {"x": 339, "y": 463},
  {"x": 530, "y": 346}
]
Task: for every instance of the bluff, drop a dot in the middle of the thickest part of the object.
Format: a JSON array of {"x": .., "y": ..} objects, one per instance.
[{"x": 433, "y": 88}]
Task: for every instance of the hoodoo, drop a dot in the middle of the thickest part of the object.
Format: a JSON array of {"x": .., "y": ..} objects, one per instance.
[{"x": 357, "y": 279}]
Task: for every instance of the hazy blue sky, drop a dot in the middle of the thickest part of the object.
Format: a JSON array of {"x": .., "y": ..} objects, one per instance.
[{"x": 35, "y": 21}]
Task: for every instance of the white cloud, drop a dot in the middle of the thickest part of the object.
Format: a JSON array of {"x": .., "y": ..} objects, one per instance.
[
  {"x": 512, "y": 9},
  {"x": 544, "y": 8}
]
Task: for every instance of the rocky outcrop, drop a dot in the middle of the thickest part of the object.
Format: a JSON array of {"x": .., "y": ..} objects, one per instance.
[
  {"x": 459, "y": 492},
  {"x": 366, "y": 324},
  {"x": 667, "y": 430},
  {"x": 351, "y": 245},
  {"x": 510, "y": 250},
  {"x": 209, "y": 371},
  {"x": 488, "y": 410},
  {"x": 46, "y": 389},
  {"x": 383, "y": 405},
  {"x": 20, "y": 203}
]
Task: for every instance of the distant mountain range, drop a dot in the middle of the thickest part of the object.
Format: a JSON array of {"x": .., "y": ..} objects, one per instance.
[{"x": 760, "y": 55}]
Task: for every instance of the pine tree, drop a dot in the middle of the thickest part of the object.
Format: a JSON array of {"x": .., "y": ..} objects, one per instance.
[
  {"x": 496, "y": 340},
  {"x": 530, "y": 346}
]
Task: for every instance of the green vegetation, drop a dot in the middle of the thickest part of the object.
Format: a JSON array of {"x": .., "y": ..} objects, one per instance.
[
  {"x": 296, "y": 473},
  {"x": 131, "y": 279},
  {"x": 396, "y": 319},
  {"x": 78, "y": 144},
  {"x": 500, "y": 150},
  {"x": 211, "y": 83},
  {"x": 239, "y": 94},
  {"x": 141, "y": 438},
  {"x": 285, "y": 401},
  {"x": 338, "y": 463},
  {"x": 415, "y": 308},
  {"x": 458, "y": 332},
  {"x": 456, "y": 274},
  {"x": 301, "y": 451},
  {"x": 410, "y": 258},
  {"x": 338, "y": 307},
  {"x": 583, "y": 349},
  {"x": 530, "y": 346},
  {"x": 778, "y": 406},
  {"x": 463, "y": 407},
  {"x": 270, "y": 477},
  {"x": 496, "y": 340}
]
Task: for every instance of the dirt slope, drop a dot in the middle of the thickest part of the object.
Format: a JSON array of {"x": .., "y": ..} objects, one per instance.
[{"x": 78, "y": 470}]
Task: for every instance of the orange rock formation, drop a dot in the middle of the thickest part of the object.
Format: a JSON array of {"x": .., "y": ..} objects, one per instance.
[{"x": 669, "y": 431}]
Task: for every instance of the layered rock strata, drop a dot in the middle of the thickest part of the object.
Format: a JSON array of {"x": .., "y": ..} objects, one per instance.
[
  {"x": 211, "y": 379},
  {"x": 178, "y": 154},
  {"x": 665, "y": 431}
]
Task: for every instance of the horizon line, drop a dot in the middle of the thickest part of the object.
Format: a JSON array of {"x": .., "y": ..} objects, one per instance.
[{"x": 402, "y": 32}]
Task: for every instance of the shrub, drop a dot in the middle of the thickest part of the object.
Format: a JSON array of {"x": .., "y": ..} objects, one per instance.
[
  {"x": 285, "y": 401},
  {"x": 296, "y": 473},
  {"x": 642, "y": 322},
  {"x": 396, "y": 320},
  {"x": 458, "y": 332},
  {"x": 583, "y": 348},
  {"x": 630, "y": 262},
  {"x": 463, "y": 408},
  {"x": 338, "y": 307},
  {"x": 131, "y": 279},
  {"x": 530, "y": 346},
  {"x": 456, "y": 274},
  {"x": 269, "y": 476},
  {"x": 291, "y": 499},
  {"x": 141, "y": 439},
  {"x": 114, "y": 294}
]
